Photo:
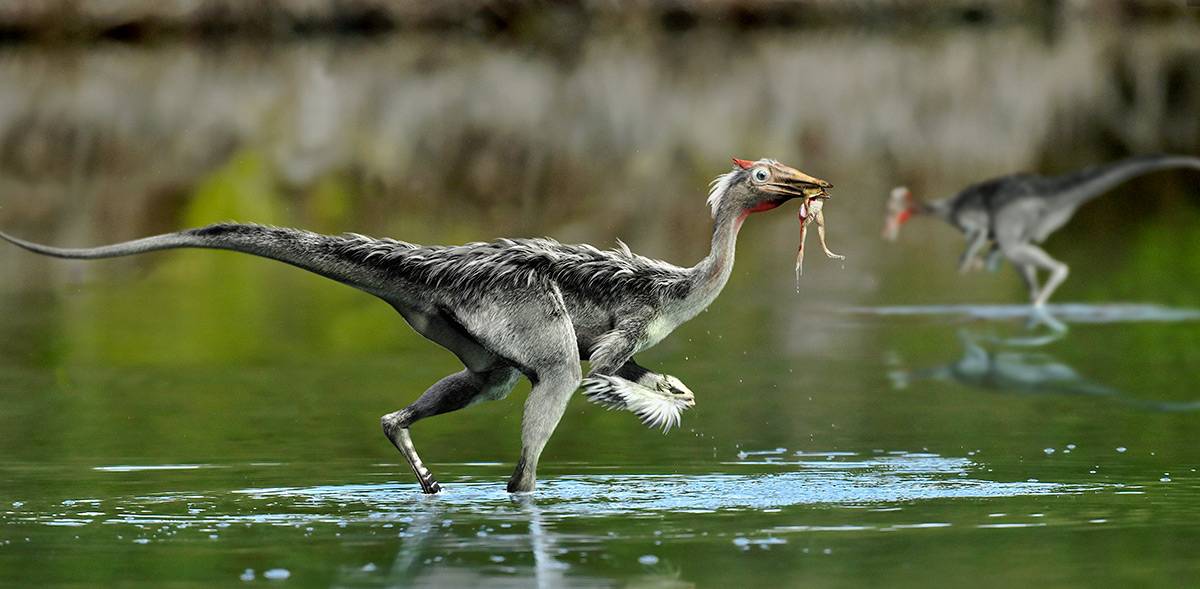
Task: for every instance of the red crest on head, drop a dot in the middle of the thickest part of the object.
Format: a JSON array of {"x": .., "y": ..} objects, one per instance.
[{"x": 743, "y": 164}]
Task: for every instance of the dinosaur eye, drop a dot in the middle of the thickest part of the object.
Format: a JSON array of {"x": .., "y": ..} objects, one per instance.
[{"x": 760, "y": 174}]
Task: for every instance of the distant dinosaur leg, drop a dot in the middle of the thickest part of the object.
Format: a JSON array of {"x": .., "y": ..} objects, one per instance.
[
  {"x": 1029, "y": 254},
  {"x": 975, "y": 242},
  {"x": 994, "y": 258},
  {"x": 1029, "y": 275},
  {"x": 452, "y": 393}
]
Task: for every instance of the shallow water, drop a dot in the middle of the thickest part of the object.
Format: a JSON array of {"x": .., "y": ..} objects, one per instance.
[
  {"x": 192, "y": 418},
  {"x": 827, "y": 470}
]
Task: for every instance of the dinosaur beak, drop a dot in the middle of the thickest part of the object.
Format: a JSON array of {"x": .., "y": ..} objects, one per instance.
[
  {"x": 793, "y": 183},
  {"x": 900, "y": 210}
]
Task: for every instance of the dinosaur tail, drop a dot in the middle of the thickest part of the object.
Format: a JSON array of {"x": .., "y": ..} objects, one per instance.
[
  {"x": 1087, "y": 184},
  {"x": 314, "y": 252}
]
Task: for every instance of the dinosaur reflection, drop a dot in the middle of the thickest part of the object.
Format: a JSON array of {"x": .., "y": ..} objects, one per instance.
[
  {"x": 1001, "y": 365},
  {"x": 431, "y": 537}
]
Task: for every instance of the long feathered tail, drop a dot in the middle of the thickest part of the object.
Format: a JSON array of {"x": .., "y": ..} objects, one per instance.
[
  {"x": 321, "y": 254},
  {"x": 1087, "y": 184}
]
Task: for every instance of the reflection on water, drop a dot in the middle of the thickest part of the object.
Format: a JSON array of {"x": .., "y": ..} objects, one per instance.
[
  {"x": 1052, "y": 314},
  {"x": 1005, "y": 365}
]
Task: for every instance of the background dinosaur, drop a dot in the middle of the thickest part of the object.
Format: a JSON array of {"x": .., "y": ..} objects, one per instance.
[{"x": 1015, "y": 213}]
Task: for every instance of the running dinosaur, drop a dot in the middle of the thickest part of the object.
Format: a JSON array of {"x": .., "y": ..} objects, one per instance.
[
  {"x": 512, "y": 307},
  {"x": 1013, "y": 214}
]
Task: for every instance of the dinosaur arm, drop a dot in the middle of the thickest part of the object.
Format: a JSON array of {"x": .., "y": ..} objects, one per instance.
[
  {"x": 633, "y": 371},
  {"x": 614, "y": 349},
  {"x": 976, "y": 240},
  {"x": 994, "y": 257},
  {"x": 661, "y": 382},
  {"x": 657, "y": 399}
]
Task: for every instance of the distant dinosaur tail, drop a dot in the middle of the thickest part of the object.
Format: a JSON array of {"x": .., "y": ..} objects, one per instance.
[
  {"x": 314, "y": 252},
  {"x": 1087, "y": 184}
]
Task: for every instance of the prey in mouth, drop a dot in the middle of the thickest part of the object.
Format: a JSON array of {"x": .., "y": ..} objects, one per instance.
[
  {"x": 784, "y": 183},
  {"x": 811, "y": 212}
]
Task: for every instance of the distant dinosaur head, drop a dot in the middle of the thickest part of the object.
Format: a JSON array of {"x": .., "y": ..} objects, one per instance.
[
  {"x": 900, "y": 208},
  {"x": 752, "y": 187}
]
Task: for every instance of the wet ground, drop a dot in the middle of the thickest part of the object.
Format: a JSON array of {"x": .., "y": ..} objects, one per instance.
[{"x": 204, "y": 418}]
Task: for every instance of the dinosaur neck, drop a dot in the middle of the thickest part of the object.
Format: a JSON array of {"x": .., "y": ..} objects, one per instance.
[
  {"x": 932, "y": 208},
  {"x": 1080, "y": 187},
  {"x": 709, "y": 276}
]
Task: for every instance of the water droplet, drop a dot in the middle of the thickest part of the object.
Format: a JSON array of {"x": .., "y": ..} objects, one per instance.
[
  {"x": 1048, "y": 451},
  {"x": 496, "y": 558},
  {"x": 247, "y": 575},
  {"x": 651, "y": 560},
  {"x": 277, "y": 574},
  {"x": 1121, "y": 449}
]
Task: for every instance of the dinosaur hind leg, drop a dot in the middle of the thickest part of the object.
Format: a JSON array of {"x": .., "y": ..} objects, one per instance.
[
  {"x": 452, "y": 393},
  {"x": 536, "y": 336},
  {"x": 485, "y": 377},
  {"x": 543, "y": 409},
  {"x": 1029, "y": 276},
  {"x": 1031, "y": 255}
]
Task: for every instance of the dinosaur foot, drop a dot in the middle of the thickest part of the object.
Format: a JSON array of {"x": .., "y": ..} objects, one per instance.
[{"x": 658, "y": 400}]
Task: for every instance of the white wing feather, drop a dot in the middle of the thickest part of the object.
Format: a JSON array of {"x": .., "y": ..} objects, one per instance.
[{"x": 655, "y": 408}]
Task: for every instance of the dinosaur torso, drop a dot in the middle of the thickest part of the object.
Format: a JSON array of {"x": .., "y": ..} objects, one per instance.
[{"x": 599, "y": 288}]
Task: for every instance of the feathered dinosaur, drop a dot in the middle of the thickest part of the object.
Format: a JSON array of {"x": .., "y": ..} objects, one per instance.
[
  {"x": 1015, "y": 213},
  {"x": 520, "y": 306}
]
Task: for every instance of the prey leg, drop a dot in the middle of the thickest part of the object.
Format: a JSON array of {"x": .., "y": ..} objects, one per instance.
[
  {"x": 452, "y": 393},
  {"x": 800, "y": 254},
  {"x": 821, "y": 234}
]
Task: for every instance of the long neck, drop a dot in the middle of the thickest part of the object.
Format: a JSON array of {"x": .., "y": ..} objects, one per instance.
[
  {"x": 709, "y": 276},
  {"x": 940, "y": 208},
  {"x": 1075, "y": 189}
]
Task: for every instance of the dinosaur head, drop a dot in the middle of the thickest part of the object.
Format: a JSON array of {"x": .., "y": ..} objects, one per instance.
[
  {"x": 762, "y": 185},
  {"x": 900, "y": 208}
]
